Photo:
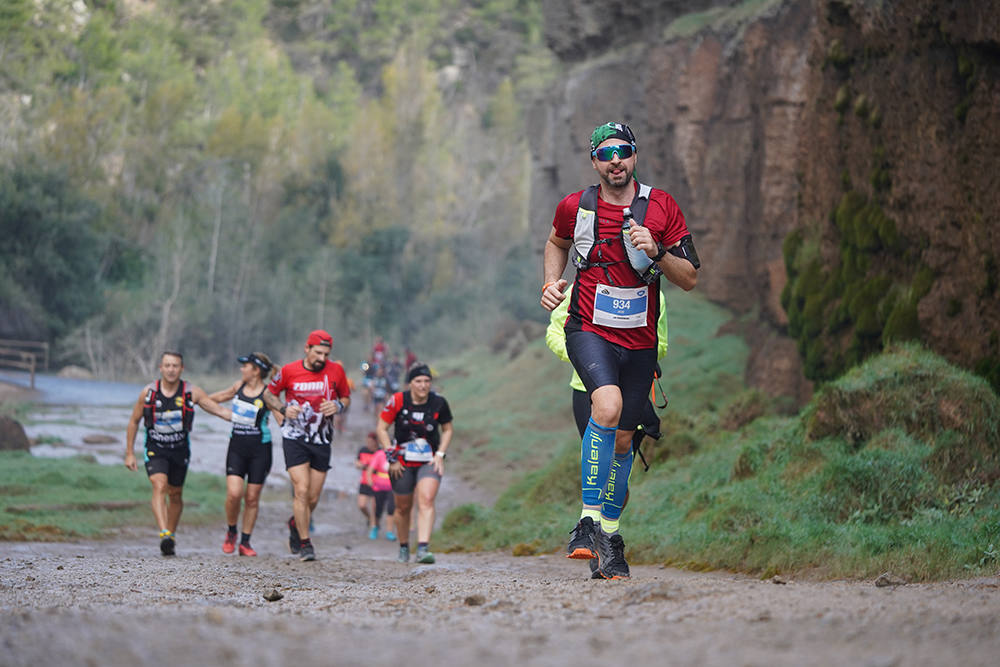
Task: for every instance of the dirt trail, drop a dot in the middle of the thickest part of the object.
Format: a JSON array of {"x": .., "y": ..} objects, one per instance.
[{"x": 118, "y": 602}]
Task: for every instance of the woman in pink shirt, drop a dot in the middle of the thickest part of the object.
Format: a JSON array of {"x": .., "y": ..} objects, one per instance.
[{"x": 378, "y": 473}]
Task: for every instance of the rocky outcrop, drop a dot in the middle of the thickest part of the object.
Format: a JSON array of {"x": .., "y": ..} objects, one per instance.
[
  {"x": 12, "y": 435},
  {"x": 904, "y": 108},
  {"x": 716, "y": 101},
  {"x": 755, "y": 116}
]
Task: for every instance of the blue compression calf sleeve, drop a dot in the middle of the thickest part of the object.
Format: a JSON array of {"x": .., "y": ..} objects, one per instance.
[
  {"x": 617, "y": 486},
  {"x": 596, "y": 452}
]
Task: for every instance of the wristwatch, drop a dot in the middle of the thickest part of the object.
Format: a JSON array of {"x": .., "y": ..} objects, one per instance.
[
  {"x": 661, "y": 252},
  {"x": 440, "y": 453}
]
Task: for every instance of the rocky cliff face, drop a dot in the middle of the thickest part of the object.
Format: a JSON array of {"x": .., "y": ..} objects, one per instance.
[
  {"x": 735, "y": 110},
  {"x": 904, "y": 109},
  {"x": 716, "y": 101}
]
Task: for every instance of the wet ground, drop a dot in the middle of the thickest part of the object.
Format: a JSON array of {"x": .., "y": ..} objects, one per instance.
[{"x": 118, "y": 602}]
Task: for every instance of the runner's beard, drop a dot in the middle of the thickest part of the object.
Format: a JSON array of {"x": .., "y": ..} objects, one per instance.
[
  {"x": 618, "y": 180},
  {"x": 318, "y": 366}
]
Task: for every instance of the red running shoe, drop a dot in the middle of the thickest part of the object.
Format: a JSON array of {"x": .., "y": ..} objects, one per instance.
[
  {"x": 229, "y": 544},
  {"x": 247, "y": 550}
]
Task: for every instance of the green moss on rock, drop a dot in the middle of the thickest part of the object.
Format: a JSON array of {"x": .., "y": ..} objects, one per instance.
[
  {"x": 844, "y": 312},
  {"x": 902, "y": 323}
]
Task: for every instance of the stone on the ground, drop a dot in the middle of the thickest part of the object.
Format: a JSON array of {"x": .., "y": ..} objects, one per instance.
[
  {"x": 75, "y": 373},
  {"x": 889, "y": 579},
  {"x": 12, "y": 436}
]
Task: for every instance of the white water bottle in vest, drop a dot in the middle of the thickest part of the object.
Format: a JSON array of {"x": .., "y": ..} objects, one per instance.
[{"x": 639, "y": 260}]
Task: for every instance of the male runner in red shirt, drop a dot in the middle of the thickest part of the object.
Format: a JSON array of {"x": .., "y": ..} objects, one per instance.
[
  {"x": 315, "y": 389},
  {"x": 611, "y": 336}
]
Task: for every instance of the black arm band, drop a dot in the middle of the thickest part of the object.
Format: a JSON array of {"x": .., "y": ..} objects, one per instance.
[{"x": 685, "y": 250}]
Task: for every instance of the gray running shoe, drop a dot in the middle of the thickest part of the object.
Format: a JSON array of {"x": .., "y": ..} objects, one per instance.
[
  {"x": 424, "y": 555},
  {"x": 595, "y": 571},
  {"x": 611, "y": 556},
  {"x": 306, "y": 552},
  {"x": 404, "y": 555},
  {"x": 581, "y": 545}
]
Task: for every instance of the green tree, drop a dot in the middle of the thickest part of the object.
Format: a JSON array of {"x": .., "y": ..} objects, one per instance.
[{"x": 50, "y": 257}]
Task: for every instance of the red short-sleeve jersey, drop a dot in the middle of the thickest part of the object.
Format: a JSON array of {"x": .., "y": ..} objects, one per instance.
[
  {"x": 666, "y": 223},
  {"x": 308, "y": 389}
]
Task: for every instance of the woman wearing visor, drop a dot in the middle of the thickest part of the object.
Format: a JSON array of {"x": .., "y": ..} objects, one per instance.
[
  {"x": 249, "y": 455},
  {"x": 422, "y": 431}
]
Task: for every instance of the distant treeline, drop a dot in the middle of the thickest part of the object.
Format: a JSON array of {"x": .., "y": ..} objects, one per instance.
[{"x": 226, "y": 176}]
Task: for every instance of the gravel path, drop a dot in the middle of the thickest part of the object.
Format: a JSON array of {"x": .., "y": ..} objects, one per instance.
[{"x": 118, "y": 602}]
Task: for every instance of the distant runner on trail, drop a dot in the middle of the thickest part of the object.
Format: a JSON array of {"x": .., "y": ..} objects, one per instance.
[
  {"x": 366, "y": 495},
  {"x": 422, "y": 430},
  {"x": 623, "y": 235},
  {"x": 249, "y": 455},
  {"x": 315, "y": 389},
  {"x": 166, "y": 408},
  {"x": 385, "y": 502}
]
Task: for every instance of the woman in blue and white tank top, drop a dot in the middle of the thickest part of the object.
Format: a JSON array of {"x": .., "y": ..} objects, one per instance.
[{"x": 249, "y": 455}]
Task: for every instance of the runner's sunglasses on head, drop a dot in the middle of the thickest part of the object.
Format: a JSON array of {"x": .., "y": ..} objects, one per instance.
[
  {"x": 256, "y": 361},
  {"x": 605, "y": 154}
]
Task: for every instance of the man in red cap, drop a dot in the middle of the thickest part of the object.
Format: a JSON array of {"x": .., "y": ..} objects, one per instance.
[{"x": 315, "y": 389}]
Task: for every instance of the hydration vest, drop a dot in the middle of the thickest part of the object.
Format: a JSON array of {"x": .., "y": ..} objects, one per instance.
[
  {"x": 149, "y": 406},
  {"x": 419, "y": 421},
  {"x": 585, "y": 235}
]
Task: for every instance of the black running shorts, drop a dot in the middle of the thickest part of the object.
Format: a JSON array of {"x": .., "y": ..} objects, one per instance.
[
  {"x": 407, "y": 482},
  {"x": 366, "y": 490},
  {"x": 170, "y": 462},
  {"x": 251, "y": 460},
  {"x": 302, "y": 451},
  {"x": 600, "y": 363},
  {"x": 385, "y": 502}
]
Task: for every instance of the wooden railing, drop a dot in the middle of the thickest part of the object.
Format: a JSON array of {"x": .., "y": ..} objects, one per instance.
[
  {"x": 23, "y": 355},
  {"x": 39, "y": 348}
]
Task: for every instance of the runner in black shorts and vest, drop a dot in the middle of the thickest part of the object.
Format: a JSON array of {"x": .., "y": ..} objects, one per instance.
[
  {"x": 249, "y": 455},
  {"x": 166, "y": 408},
  {"x": 623, "y": 236},
  {"x": 422, "y": 431},
  {"x": 315, "y": 389}
]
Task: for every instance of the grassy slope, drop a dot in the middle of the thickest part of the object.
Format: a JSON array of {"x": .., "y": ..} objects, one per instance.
[
  {"x": 515, "y": 430},
  {"x": 513, "y": 414},
  {"x": 894, "y": 466},
  {"x": 61, "y": 497}
]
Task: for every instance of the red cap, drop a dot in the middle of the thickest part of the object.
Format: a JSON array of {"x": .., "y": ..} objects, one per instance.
[{"x": 319, "y": 337}]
